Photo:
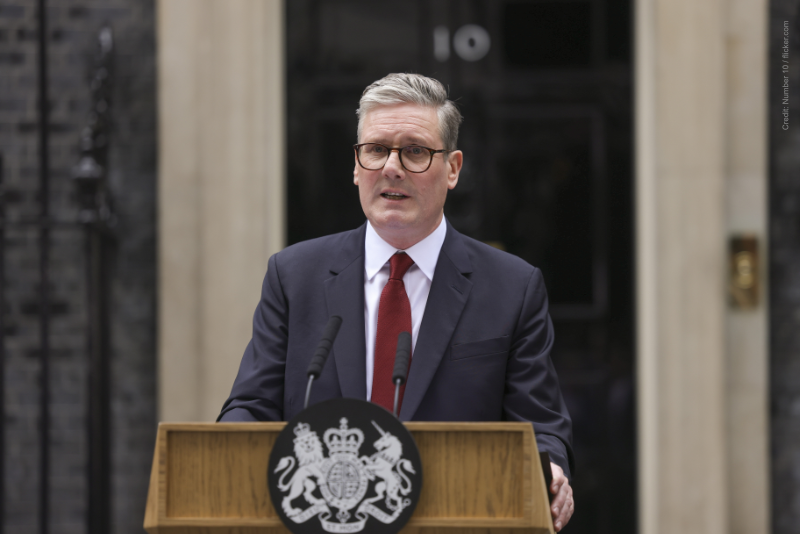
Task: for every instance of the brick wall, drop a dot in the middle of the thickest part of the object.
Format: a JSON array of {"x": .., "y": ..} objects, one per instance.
[
  {"x": 18, "y": 147},
  {"x": 785, "y": 270},
  {"x": 71, "y": 36}
]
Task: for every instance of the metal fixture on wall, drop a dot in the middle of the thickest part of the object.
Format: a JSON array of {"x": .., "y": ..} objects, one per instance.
[
  {"x": 471, "y": 42},
  {"x": 95, "y": 214},
  {"x": 743, "y": 286}
]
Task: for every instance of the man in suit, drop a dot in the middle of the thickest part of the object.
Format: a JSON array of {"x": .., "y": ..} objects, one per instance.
[{"x": 481, "y": 334}]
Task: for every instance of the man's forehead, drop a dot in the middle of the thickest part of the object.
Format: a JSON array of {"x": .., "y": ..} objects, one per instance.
[{"x": 410, "y": 120}]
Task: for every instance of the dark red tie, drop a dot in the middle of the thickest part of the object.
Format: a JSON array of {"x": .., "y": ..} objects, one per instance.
[{"x": 394, "y": 316}]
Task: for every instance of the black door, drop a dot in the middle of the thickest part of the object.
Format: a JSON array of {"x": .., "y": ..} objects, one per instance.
[{"x": 545, "y": 89}]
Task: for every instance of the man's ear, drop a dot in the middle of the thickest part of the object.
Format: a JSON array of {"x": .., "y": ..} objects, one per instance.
[
  {"x": 454, "y": 162},
  {"x": 355, "y": 173}
]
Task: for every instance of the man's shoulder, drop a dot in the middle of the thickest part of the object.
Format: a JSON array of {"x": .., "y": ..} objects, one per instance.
[
  {"x": 324, "y": 247},
  {"x": 298, "y": 265},
  {"x": 314, "y": 258},
  {"x": 488, "y": 258}
]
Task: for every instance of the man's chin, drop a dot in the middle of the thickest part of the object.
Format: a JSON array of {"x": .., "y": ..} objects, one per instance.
[
  {"x": 393, "y": 219},
  {"x": 394, "y": 224}
]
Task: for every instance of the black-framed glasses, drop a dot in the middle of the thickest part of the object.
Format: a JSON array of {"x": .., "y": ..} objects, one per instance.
[{"x": 413, "y": 158}]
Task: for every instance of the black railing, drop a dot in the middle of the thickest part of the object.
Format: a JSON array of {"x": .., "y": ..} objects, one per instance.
[
  {"x": 44, "y": 275},
  {"x": 2, "y": 351},
  {"x": 95, "y": 214}
]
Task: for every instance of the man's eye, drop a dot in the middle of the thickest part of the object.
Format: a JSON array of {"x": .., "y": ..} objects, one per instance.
[
  {"x": 375, "y": 149},
  {"x": 414, "y": 150}
]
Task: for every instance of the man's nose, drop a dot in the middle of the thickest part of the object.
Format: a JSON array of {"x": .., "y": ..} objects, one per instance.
[{"x": 393, "y": 168}]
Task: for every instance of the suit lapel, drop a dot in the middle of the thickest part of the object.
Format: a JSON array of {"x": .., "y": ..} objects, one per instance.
[
  {"x": 344, "y": 294},
  {"x": 449, "y": 293}
]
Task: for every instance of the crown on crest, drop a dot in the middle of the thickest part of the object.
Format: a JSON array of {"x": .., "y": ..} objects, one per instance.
[
  {"x": 343, "y": 440},
  {"x": 302, "y": 431}
]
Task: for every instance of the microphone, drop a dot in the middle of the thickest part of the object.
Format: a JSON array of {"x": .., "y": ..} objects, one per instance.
[
  {"x": 321, "y": 354},
  {"x": 401, "y": 357}
]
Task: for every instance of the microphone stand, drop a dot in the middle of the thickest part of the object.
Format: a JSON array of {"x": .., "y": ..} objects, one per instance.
[
  {"x": 321, "y": 354},
  {"x": 308, "y": 390},
  {"x": 401, "y": 359}
]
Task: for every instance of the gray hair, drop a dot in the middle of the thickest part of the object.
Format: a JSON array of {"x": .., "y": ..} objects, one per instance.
[{"x": 403, "y": 88}]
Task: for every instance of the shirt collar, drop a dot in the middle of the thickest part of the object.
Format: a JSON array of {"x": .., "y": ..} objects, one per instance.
[{"x": 425, "y": 253}]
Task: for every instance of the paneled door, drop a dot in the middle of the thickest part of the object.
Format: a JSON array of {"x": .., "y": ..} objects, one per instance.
[{"x": 546, "y": 91}]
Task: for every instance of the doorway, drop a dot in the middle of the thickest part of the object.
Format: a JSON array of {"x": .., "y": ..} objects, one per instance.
[{"x": 546, "y": 91}]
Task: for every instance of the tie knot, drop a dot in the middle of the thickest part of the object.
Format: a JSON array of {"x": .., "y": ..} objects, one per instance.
[{"x": 399, "y": 264}]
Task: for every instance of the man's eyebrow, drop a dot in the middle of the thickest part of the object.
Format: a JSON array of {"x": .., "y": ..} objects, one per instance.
[
  {"x": 413, "y": 140},
  {"x": 379, "y": 140},
  {"x": 416, "y": 140}
]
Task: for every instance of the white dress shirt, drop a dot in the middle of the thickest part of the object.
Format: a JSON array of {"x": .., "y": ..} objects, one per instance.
[{"x": 417, "y": 281}]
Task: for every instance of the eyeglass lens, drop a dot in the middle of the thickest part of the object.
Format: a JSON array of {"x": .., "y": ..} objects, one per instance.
[{"x": 414, "y": 158}]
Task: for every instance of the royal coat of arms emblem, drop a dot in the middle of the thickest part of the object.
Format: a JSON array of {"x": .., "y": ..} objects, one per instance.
[{"x": 344, "y": 489}]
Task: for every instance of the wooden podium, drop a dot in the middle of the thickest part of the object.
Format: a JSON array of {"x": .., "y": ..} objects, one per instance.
[{"x": 211, "y": 478}]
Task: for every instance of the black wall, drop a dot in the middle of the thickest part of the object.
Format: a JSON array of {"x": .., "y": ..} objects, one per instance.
[{"x": 784, "y": 263}]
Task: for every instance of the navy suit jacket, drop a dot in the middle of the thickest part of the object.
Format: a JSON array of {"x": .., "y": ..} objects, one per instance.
[{"x": 482, "y": 352}]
